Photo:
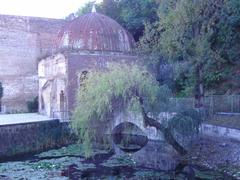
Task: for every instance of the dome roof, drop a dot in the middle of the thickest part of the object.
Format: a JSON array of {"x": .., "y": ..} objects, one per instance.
[{"x": 95, "y": 32}]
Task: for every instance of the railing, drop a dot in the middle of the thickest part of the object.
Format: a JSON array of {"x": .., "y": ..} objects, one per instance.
[{"x": 214, "y": 103}]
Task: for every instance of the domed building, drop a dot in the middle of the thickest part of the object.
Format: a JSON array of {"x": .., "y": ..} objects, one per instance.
[{"x": 88, "y": 42}]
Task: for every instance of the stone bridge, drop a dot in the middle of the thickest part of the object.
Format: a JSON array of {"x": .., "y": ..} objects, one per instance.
[{"x": 137, "y": 120}]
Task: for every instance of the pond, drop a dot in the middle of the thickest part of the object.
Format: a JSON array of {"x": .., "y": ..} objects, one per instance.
[{"x": 153, "y": 161}]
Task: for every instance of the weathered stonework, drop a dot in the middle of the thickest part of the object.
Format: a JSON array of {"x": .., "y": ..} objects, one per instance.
[
  {"x": 21, "y": 139},
  {"x": 52, "y": 73},
  {"x": 23, "y": 40}
]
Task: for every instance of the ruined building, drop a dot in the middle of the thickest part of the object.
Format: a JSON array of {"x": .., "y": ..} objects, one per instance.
[{"x": 63, "y": 52}]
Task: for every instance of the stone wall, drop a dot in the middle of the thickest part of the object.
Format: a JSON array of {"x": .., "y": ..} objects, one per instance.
[
  {"x": 23, "y": 40},
  {"x": 119, "y": 118},
  {"x": 218, "y": 131},
  {"x": 20, "y": 139}
]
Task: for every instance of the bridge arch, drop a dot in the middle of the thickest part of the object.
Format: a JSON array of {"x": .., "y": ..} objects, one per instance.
[{"x": 137, "y": 120}]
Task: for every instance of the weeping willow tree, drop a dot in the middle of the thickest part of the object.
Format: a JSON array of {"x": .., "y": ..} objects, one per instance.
[{"x": 138, "y": 91}]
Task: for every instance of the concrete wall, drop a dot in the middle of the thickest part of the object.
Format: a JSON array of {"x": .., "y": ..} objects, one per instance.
[
  {"x": 22, "y": 41},
  {"x": 19, "y": 139}
]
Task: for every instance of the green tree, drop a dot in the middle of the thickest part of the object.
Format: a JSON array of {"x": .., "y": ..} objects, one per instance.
[
  {"x": 193, "y": 33},
  {"x": 133, "y": 90},
  {"x": 226, "y": 41},
  {"x": 112, "y": 9},
  {"x": 135, "y": 13},
  {"x": 199, "y": 38}
]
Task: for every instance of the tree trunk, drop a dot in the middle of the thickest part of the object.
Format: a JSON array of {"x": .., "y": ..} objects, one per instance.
[
  {"x": 199, "y": 89},
  {"x": 148, "y": 121}
]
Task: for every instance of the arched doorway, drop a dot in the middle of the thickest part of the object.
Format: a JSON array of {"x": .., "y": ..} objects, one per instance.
[{"x": 62, "y": 104}]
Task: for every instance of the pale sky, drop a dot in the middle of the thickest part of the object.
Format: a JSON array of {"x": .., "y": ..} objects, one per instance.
[{"x": 41, "y": 8}]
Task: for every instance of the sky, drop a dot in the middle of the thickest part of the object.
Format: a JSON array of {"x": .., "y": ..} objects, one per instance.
[{"x": 41, "y": 8}]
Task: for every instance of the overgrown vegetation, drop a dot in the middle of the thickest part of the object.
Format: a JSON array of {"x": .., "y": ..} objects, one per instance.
[
  {"x": 199, "y": 39},
  {"x": 132, "y": 89}
]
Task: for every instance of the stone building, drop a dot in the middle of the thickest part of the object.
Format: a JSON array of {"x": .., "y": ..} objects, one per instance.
[
  {"x": 23, "y": 40},
  {"x": 47, "y": 58},
  {"x": 87, "y": 42}
]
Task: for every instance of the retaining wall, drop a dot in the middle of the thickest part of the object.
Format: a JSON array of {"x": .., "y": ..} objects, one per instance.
[
  {"x": 218, "y": 131},
  {"x": 27, "y": 138}
]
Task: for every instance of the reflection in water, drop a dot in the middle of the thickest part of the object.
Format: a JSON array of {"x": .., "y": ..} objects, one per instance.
[
  {"x": 129, "y": 143},
  {"x": 155, "y": 155},
  {"x": 156, "y": 160},
  {"x": 129, "y": 137}
]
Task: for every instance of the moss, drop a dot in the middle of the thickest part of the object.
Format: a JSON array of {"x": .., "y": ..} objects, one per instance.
[
  {"x": 71, "y": 150},
  {"x": 143, "y": 174},
  {"x": 207, "y": 175},
  {"x": 45, "y": 165}
]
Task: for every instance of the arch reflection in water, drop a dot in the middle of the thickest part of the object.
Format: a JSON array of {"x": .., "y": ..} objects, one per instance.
[
  {"x": 129, "y": 137},
  {"x": 154, "y": 155}
]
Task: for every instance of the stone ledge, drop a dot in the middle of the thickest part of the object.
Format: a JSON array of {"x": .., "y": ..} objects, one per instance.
[
  {"x": 25, "y": 118},
  {"x": 219, "y": 131}
]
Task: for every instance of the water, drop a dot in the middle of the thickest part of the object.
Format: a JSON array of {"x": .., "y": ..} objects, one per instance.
[{"x": 156, "y": 160}]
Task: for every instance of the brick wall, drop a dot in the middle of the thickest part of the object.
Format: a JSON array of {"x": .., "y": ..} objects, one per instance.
[
  {"x": 78, "y": 62},
  {"x": 23, "y": 40}
]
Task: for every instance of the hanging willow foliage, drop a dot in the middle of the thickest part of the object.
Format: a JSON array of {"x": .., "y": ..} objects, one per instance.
[
  {"x": 186, "y": 122},
  {"x": 120, "y": 83}
]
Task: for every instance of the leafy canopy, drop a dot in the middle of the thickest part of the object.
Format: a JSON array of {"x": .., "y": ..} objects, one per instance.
[{"x": 192, "y": 35}]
